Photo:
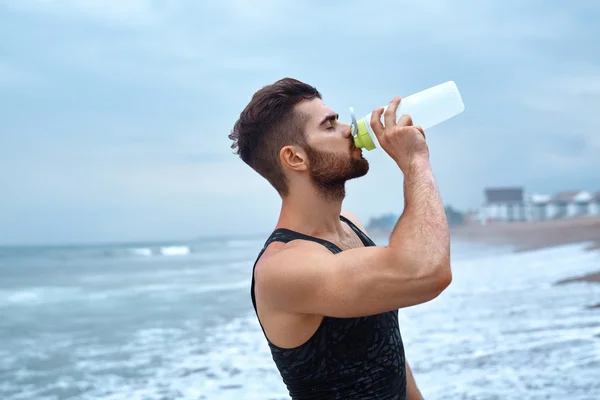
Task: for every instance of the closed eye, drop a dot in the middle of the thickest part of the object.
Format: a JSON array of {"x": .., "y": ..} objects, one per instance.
[{"x": 330, "y": 120}]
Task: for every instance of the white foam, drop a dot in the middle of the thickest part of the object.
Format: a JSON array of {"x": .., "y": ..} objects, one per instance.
[
  {"x": 143, "y": 251},
  {"x": 20, "y": 296},
  {"x": 36, "y": 295},
  {"x": 224, "y": 287},
  {"x": 233, "y": 363},
  {"x": 501, "y": 328},
  {"x": 504, "y": 311},
  {"x": 174, "y": 250},
  {"x": 49, "y": 295},
  {"x": 245, "y": 243}
]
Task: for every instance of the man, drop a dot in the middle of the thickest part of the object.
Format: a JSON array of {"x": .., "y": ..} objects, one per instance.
[{"x": 326, "y": 296}]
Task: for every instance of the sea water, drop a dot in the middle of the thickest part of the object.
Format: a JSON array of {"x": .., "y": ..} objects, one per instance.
[{"x": 174, "y": 321}]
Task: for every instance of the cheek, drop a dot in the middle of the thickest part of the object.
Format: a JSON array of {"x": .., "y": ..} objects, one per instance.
[{"x": 328, "y": 140}]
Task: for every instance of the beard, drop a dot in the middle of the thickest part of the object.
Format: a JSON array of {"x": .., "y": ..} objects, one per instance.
[{"x": 330, "y": 171}]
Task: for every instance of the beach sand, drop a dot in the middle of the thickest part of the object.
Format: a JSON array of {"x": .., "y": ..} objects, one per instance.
[
  {"x": 526, "y": 236},
  {"x": 534, "y": 235}
]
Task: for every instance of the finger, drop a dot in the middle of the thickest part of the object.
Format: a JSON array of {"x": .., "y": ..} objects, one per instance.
[
  {"x": 420, "y": 130},
  {"x": 390, "y": 112},
  {"x": 376, "y": 124},
  {"x": 405, "y": 120}
]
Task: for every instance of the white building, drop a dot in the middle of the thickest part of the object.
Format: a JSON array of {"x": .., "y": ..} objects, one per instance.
[
  {"x": 536, "y": 207},
  {"x": 594, "y": 206},
  {"x": 570, "y": 204},
  {"x": 510, "y": 204},
  {"x": 503, "y": 205}
]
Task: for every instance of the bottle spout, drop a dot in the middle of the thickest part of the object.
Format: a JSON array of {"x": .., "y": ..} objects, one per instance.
[{"x": 361, "y": 132}]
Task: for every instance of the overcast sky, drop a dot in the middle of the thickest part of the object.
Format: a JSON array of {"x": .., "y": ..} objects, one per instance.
[{"x": 114, "y": 115}]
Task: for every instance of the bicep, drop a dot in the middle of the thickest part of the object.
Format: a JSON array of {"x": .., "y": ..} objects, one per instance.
[{"x": 365, "y": 281}]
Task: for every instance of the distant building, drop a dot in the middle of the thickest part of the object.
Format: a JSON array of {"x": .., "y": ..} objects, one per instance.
[
  {"x": 511, "y": 204},
  {"x": 503, "y": 204},
  {"x": 594, "y": 206},
  {"x": 536, "y": 207},
  {"x": 570, "y": 204}
]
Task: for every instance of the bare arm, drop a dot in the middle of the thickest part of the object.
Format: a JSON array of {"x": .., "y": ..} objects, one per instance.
[
  {"x": 422, "y": 230},
  {"x": 412, "y": 391},
  {"x": 306, "y": 278}
]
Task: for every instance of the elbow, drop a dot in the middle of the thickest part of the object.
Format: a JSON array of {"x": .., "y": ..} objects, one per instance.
[{"x": 443, "y": 276}]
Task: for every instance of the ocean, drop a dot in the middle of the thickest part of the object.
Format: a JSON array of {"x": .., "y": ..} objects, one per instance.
[{"x": 158, "y": 321}]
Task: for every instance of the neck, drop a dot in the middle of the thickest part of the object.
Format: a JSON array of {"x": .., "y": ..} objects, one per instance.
[{"x": 312, "y": 213}]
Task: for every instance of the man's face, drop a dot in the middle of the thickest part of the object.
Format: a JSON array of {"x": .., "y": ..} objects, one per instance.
[{"x": 331, "y": 153}]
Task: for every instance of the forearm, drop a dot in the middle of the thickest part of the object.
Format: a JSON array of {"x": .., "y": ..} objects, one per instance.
[
  {"x": 422, "y": 231},
  {"x": 412, "y": 391}
]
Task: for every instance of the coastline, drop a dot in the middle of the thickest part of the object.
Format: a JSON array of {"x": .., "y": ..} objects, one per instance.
[{"x": 527, "y": 236}]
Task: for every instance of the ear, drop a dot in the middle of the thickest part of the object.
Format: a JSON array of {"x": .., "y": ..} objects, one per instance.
[{"x": 294, "y": 157}]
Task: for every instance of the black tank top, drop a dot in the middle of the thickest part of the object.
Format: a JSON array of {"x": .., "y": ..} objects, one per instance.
[{"x": 346, "y": 358}]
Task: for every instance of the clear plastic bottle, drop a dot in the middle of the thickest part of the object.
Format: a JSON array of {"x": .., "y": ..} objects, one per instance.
[{"x": 426, "y": 109}]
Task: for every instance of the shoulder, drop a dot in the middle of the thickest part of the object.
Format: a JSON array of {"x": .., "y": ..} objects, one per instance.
[
  {"x": 282, "y": 260},
  {"x": 290, "y": 272},
  {"x": 355, "y": 220}
]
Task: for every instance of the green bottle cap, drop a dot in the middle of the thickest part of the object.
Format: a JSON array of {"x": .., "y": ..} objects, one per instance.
[{"x": 364, "y": 138}]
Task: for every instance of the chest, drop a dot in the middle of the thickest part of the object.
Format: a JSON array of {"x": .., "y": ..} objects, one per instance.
[
  {"x": 348, "y": 241},
  {"x": 374, "y": 339}
]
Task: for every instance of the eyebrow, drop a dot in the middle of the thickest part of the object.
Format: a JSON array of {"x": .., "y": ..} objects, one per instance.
[{"x": 331, "y": 117}]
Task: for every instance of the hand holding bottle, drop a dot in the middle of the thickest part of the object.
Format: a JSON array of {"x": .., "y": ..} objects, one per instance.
[
  {"x": 426, "y": 108},
  {"x": 400, "y": 139}
]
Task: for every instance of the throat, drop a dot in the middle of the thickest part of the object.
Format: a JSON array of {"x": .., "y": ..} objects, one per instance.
[{"x": 331, "y": 192}]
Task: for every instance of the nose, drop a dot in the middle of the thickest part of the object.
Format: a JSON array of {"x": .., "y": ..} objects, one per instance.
[{"x": 347, "y": 131}]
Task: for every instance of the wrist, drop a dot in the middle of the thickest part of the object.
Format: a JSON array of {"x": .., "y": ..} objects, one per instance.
[{"x": 416, "y": 163}]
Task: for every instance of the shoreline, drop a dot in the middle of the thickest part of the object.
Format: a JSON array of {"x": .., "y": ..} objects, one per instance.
[
  {"x": 528, "y": 236},
  {"x": 534, "y": 235}
]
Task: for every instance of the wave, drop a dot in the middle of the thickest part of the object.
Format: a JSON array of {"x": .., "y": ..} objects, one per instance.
[
  {"x": 245, "y": 243},
  {"x": 499, "y": 328},
  {"x": 38, "y": 295},
  {"x": 167, "y": 251},
  {"x": 144, "y": 251},
  {"x": 35, "y": 296},
  {"x": 206, "y": 247}
]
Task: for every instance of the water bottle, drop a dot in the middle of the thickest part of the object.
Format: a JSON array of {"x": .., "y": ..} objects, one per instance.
[{"x": 426, "y": 108}]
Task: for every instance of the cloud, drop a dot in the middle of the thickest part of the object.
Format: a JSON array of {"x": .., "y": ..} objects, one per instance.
[
  {"x": 573, "y": 94},
  {"x": 141, "y": 41},
  {"x": 124, "y": 13},
  {"x": 567, "y": 102},
  {"x": 122, "y": 108}
]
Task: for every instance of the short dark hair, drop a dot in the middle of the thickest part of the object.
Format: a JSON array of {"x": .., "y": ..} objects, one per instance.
[{"x": 270, "y": 122}]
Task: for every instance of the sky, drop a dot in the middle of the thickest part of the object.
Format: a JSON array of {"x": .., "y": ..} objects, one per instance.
[{"x": 114, "y": 114}]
